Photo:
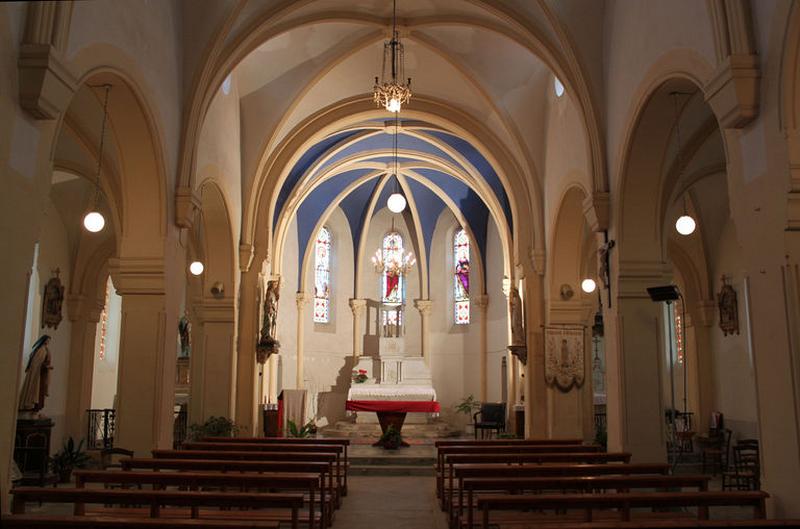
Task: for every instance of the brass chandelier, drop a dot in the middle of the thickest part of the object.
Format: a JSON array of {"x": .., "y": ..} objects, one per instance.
[{"x": 390, "y": 91}]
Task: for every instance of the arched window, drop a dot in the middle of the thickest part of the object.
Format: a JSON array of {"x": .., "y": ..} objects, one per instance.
[
  {"x": 393, "y": 284},
  {"x": 322, "y": 276},
  {"x": 461, "y": 277}
]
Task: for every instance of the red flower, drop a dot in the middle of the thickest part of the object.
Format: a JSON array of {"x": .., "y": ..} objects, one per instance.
[{"x": 362, "y": 371}]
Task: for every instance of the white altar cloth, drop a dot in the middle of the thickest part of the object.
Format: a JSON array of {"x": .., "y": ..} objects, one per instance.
[{"x": 390, "y": 392}]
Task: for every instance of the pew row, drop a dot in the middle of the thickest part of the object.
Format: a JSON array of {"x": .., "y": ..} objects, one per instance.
[
  {"x": 341, "y": 441},
  {"x": 310, "y": 483},
  {"x": 520, "y": 505},
  {"x": 30, "y": 521},
  {"x": 469, "y": 488},
  {"x": 271, "y": 506}
]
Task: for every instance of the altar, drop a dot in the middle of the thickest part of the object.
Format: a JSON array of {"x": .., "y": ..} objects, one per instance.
[{"x": 392, "y": 383}]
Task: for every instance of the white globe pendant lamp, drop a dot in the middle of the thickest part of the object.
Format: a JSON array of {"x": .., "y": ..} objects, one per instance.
[
  {"x": 94, "y": 221},
  {"x": 588, "y": 285},
  {"x": 396, "y": 203},
  {"x": 196, "y": 268},
  {"x": 685, "y": 225}
]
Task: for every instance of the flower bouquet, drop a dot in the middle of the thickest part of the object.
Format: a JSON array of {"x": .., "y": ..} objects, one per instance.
[{"x": 359, "y": 376}]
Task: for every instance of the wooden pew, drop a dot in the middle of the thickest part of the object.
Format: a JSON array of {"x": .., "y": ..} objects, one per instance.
[
  {"x": 307, "y": 482},
  {"x": 341, "y": 441},
  {"x": 156, "y": 498},
  {"x": 332, "y": 458},
  {"x": 339, "y": 450},
  {"x": 506, "y": 442},
  {"x": 31, "y": 521},
  {"x": 469, "y": 487},
  {"x": 517, "y": 458},
  {"x": 517, "y": 448},
  {"x": 323, "y": 470},
  {"x": 624, "y": 502}
]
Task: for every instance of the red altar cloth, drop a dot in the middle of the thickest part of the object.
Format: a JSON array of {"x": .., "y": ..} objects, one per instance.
[{"x": 394, "y": 406}]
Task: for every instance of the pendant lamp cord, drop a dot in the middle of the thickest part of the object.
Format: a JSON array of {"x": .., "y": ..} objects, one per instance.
[
  {"x": 396, "y": 164},
  {"x": 107, "y": 88},
  {"x": 679, "y": 154}
]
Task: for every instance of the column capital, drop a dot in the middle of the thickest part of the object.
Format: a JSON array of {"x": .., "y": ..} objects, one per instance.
[
  {"x": 138, "y": 275},
  {"x": 358, "y": 306},
  {"x": 187, "y": 203},
  {"x": 423, "y": 306},
  {"x": 301, "y": 298},
  {"x": 481, "y": 301},
  {"x": 215, "y": 311},
  {"x": 81, "y": 307},
  {"x": 246, "y": 253},
  {"x": 597, "y": 211}
]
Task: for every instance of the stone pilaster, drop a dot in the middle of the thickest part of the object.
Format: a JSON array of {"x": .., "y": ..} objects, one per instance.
[
  {"x": 213, "y": 360},
  {"x": 424, "y": 307},
  {"x": 84, "y": 316},
  {"x": 482, "y": 303},
  {"x": 357, "y": 306},
  {"x": 301, "y": 299}
]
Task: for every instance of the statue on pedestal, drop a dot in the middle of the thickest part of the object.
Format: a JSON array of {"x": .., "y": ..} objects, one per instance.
[
  {"x": 37, "y": 378},
  {"x": 518, "y": 345},
  {"x": 268, "y": 343},
  {"x": 185, "y": 335}
]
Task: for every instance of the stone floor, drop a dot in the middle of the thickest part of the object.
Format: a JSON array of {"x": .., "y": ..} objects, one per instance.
[{"x": 390, "y": 503}]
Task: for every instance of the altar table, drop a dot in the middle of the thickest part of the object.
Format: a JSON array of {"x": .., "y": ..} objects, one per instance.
[{"x": 393, "y": 412}]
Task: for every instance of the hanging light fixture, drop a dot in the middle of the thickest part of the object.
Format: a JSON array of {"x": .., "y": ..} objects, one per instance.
[
  {"x": 588, "y": 285},
  {"x": 196, "y": 268},
  {"x": 685, "y": 225},
  {"x": 390, "y": 91},
  {"x": 396, "y": 202},
  {"x": 94, "y": 220}
]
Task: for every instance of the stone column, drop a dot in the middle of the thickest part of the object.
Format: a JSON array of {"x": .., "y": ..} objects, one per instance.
[
  {"x": 272, "y": 395},
  {"x": 424, "y": 308},
  {"x": 147, "y": 353},
  {"x": 703, "y": 366},
  {"x": 301, "y": 300},
  {"x": 536, "y": 413},
  {"x": 634, "y": 336},
  {"x": 357, "y": 306},
  {"x": 246, "y": 372},
  {"x": 213, "y": 362},
  {"x": 482, "y": 302},
  {"x": 84, "y": 317}
]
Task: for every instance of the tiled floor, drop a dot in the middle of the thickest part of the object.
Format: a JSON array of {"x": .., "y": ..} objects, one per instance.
[{"x": 390, "y": 503}]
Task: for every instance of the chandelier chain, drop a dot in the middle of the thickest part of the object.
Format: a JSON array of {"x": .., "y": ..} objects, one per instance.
[{"x": 101, "y": 148}]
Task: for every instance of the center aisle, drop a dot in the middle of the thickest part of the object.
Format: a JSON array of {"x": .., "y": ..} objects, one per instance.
[{"x": 390, "y": 502}]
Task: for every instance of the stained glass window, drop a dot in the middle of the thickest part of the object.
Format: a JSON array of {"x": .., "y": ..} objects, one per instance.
[
  {"x": 322, "y": 276},
  {"x": 392, "y": 283},
  {"x": 461, "y": 277}
]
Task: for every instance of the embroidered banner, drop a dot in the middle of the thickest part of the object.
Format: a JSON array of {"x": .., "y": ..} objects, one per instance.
[{"x": 564, "y": 357}]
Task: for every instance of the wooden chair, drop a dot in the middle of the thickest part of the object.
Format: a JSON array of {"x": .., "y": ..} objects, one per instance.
[
  {"x": 746, "y": 472},
  {"x": 492, "y": 417},
  {"x": 715, "y": 455}
]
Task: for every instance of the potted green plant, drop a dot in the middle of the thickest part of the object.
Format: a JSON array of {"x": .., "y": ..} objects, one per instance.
[
  {"x": 67, "y": 459},
  {"x": 305, "y": 431},
  {"x": 468, "y": 406},
  {"x": 213, "y": 427},
  {"x": 391, "y": 438}
]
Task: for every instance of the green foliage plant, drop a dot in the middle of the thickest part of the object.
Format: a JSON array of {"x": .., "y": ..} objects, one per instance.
[
  {"x": 70, "y": 457},
  {"x": 213, "y": 427}
]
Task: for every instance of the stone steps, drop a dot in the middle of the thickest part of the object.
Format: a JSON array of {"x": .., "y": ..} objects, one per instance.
[
  {"x": 433, "y": 430},
  {"x": 391, "y": 470}
]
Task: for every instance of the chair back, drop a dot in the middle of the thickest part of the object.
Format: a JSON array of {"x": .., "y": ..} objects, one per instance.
[
  {"x": 493, "y": 412},
  {"x": 746, "y": 457}
]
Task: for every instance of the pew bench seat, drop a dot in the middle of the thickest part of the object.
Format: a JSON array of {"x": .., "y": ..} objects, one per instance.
[{"x": 31, "y": 521}]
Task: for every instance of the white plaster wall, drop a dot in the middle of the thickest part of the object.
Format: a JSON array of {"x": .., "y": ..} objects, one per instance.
[
  {"x": 328, "y": 347},
  {"x": 734, "y": 379},
  {"x": 53, "y": 253},
  {"x": 287, "y": 312},
  {"x": 218, "y": 152},
  {"x": 496, "y": 313},
  {"x": 147, "y": 34}
]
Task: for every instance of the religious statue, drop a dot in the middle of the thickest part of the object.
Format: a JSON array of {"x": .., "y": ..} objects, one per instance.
[
  {"x": 515, "y": 308},
  {"x": 52, "y": 301},
  {"x": 518, "y": 345},
  {"x": 268, "y": 343},
  {"x": 728, "y": 309},
  {"x": 185, "y": 334},
  {"x": 37, "y": 378}
]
